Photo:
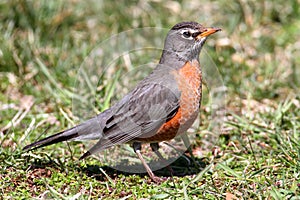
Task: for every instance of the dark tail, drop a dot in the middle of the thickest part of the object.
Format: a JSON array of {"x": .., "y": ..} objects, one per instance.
[
  {"x": 89, "y": 130},
  {"x": 59, "y": 137}
]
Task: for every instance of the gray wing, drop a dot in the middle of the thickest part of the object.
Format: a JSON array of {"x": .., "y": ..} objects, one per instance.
[{"x": 139, "y": 114}]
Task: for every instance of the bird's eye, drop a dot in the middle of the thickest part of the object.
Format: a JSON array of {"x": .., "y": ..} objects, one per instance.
[{"x": 186, "y": 34}]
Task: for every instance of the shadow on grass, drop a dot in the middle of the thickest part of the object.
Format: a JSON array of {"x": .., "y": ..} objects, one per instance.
[{"x": 183, "y": 166}]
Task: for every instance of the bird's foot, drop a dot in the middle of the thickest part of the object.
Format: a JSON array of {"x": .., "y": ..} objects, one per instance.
[{"x": 157, "y": 179}]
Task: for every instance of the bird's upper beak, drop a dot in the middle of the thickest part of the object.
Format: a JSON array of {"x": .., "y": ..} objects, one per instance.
[{"x": 207, "y": 32}]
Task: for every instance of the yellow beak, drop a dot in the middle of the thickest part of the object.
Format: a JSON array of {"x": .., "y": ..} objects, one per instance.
[{"x": 208, "y": 32}]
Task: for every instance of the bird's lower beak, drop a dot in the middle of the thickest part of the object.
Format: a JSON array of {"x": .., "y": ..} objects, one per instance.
[{"x": 208, "y": 32}]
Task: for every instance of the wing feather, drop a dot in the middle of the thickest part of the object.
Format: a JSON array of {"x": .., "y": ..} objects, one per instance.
[{"x": 139, "y": 116}]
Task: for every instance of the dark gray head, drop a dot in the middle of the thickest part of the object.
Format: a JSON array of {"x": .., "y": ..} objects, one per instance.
[{"x": 184, "y": 42}]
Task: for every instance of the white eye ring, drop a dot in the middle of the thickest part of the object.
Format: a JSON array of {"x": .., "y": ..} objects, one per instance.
[{"x": 186, "y": 34}]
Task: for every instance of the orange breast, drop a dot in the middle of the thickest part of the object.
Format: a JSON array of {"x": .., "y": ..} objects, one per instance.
[{"x": 189, "y": 80}]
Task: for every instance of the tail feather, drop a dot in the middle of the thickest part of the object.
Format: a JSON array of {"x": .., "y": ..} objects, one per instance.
[
  {"x": 59, "y": 137},
  {"x": 89, "y": 130},
  {"x": 86, "y": 154}
]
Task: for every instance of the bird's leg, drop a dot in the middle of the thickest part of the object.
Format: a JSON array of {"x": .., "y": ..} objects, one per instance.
[
  {"x": 137, "y": 149},
  {"x": 155, "y": 147}
]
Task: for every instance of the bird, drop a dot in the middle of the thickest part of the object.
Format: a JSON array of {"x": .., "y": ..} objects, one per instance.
[{"x": 161, "y": 106}]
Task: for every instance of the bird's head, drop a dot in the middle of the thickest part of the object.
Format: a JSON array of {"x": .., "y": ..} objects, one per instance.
[{"x": 186, "y": 39}]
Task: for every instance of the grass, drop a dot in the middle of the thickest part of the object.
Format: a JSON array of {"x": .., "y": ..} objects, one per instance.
[{"x": 255, "y": 156}]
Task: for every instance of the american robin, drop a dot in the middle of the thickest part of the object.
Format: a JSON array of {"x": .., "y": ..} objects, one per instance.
[{"x": 163, "y": 105}]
